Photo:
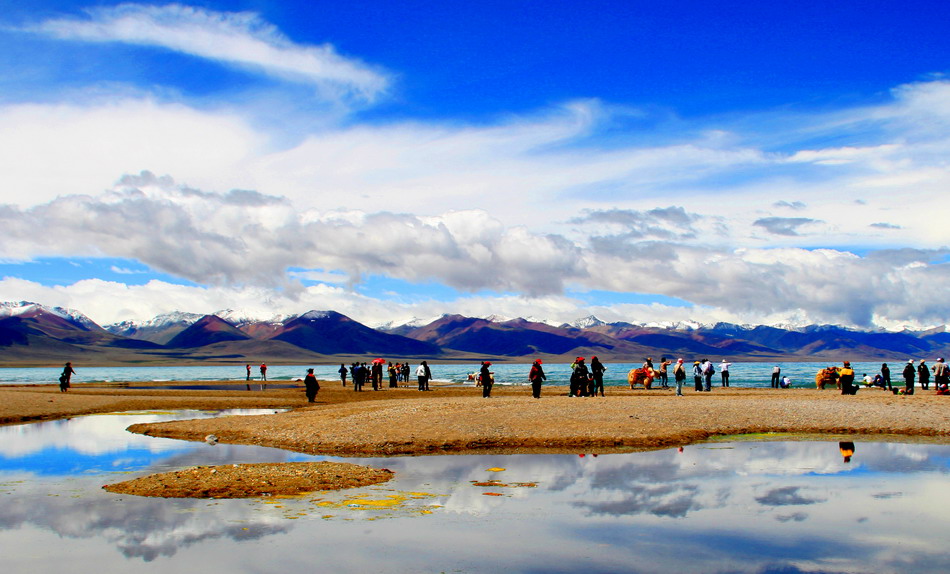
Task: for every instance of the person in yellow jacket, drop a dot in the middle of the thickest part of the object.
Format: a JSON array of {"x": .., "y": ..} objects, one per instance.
[{"x": 846, "y": 378}]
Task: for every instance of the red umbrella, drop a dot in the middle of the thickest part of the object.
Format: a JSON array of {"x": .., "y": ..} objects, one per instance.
[{"x": 380, "y": 361}]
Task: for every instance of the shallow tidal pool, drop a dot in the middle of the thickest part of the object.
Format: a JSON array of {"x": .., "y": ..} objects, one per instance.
[{"x": 750, "y": 506}]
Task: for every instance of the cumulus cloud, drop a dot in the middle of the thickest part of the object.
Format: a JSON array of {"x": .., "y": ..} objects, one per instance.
[
  {"x": 242, "y": 237},
  {"x": 232, "y": 38},
  {"x": 244, "y": 242}
]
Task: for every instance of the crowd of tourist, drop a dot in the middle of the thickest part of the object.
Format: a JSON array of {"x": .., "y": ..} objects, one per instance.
[
  {"x": 588, "y": 380},
  {"x": 914, "y": 376}
]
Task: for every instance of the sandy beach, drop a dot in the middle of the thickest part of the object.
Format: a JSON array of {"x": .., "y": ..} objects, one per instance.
[{"x": 451, "y": 420}]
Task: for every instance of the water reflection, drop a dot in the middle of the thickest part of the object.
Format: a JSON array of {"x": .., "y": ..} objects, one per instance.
[{"x": 736, "y": 507}]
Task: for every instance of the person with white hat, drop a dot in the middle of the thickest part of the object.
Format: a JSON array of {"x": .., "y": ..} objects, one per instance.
[{"x": 909, "y": 373}]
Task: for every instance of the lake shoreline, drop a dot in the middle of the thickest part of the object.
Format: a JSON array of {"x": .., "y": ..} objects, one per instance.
[{"x": 457, "y": 420}]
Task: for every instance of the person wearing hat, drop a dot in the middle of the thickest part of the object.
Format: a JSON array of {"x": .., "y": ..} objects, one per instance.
[
  {"x": 908, "y": 373},
  {"x": 536, "y": 376},
  {"x": 923, "y": 375},
  {"x": 679, "y": 375},
  {"x": 311, "y": 385},
  {"x": 485, "y": 375},
  {"x": 846, "y": 379},
  {"x": 579, "y": 377}
]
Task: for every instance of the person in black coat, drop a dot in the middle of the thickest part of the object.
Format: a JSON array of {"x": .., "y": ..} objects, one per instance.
[
  {"x": 312, "y": 386},
  {"x": 909, "y": 373},
  {"x": 923, "y": 375},
  {"x": 886, "y": 375},
  {"x": 66, "y": 377},
  {"x": 579, "y": 377},
  {"x": 485, "y": 374},
  {"x": 597, "y": 372}
]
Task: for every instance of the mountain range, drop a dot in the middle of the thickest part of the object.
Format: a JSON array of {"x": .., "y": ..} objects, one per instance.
[{"x": 35, "y": 334}]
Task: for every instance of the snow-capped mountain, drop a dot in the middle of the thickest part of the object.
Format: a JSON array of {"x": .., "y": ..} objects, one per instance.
[
  {"x": 18, "y": 308},
  {"x": 241, "y": 317},
  {"x": 585, "y": 322},
  {"x": 411, "y": 323},
  {"x": 159, "y": 329}
]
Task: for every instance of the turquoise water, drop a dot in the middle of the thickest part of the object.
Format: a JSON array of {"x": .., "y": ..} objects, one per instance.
[
  {"x": 743, "y": 507},
  {"x": 741, "y": 374}
]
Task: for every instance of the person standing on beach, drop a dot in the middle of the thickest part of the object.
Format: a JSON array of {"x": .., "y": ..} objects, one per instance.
[
  {"x": 941, "y": 374},
  {"x": 908, "y": 373},
  {"x": 664, "y": 377},
  {"x": 485, "y": 375},
  {"x": 263, "y": 372},
  {"x": 391, "y": 370},
  {"x": 421, "y": 375},
  {"x": 679, "y": 375},
  {"x": 376, "y": 372},
  {"x": 776, "y": 376},
  {"x": 248, "y": 367},
  {"x": 708, "y": 371},
  {"x": 597, "y": 371},
  {"x": 579, "y": 377},
  {"x": 66, "y": 377},
  {"x": 405, "y": 372},
  {"x": 724, "y": 372},
  {"x": 536, "y": 376},
  {"x": 886, "y": 375},
  {"x": 312, "y": 386},
  {"x": 359, "y": 376},
  {"x": 698, "y": 376},
  {"x": 342, "y": 372},
  {"x": 923, "y": 375}
]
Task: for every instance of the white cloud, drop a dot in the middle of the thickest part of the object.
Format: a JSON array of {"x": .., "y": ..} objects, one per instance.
[
  {"x": 238, "y": 39},
  {"x": 250, "y": 249}
]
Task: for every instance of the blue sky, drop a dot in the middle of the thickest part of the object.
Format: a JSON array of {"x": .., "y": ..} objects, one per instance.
[{"x": 749, "y": 162}]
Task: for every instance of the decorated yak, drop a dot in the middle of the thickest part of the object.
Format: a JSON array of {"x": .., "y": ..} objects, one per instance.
[
  {"x": 641, "y": 376},
  {"x": 827, "y": 377}
]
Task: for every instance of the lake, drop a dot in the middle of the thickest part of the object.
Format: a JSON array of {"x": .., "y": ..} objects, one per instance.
[
  {"x": 741, "y": 374},
  {"x": 753, "y": 506}
]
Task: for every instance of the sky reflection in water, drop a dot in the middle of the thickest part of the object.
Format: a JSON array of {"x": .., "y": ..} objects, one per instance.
[{"x": 721, "y": 507}]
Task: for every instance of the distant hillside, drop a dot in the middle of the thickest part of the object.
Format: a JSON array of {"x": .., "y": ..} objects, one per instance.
[
  {"x": 331, "y": 333},
  {"x": 207, "y": 331},
  {"x": 31, "y": 333}
]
